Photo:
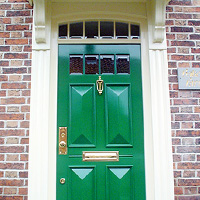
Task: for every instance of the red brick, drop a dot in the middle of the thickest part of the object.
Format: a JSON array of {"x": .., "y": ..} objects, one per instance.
[
  {"x": 21, "y": 70},
  {"x": 190, "y": 190},
  {"x": 194, "y": 22},
  {"x": 187, "y": 117},
  {"x": 179, "y": 16},
  {"x": 189, "y": 182},
  {"x": 178, "y": 190},
  {"x": 197, "y": 65},
  {"x": 28, "y": 34},
  {"x": 188, "y": 149},
  {"x": 185, "y": 102},
  {"x": 10, "y": 132},
  {"x": 176, "y": 141},
  {"x": 27, "y": 48},
  {"x": 13, "y": 86},
  {"x": 181, "y": 29},
  {"x": 25, "y": 109},
  {"x": 3, "y": 78},
  {"x": 15, "y": 55},
  {"x": 17, "y": 27},
  {"x": 11, "y": 116},
  {"x": 4, "y": 63},
  {"x": 5, "y": 6},
  {"x": 183, "y": 43},
  {"x": 195, "y": 37},
  {"x": 16, "y": 41},
  {"x": 24, "y": 157},
  {"x": 11, "y": 166},
  {"x": 182, "y": 57},
  {"x": 11, "y": 198},
  {"x": 13, "y": 101},
  {"x": 172, "y": 64},
  {"x": 187, "y": 125},
  {"x": 4, "y": 34},
  {"x": 6, "y": 182},
  {"x": 188, "y": 133},
  {"x": 178, "y": 2},
  {"x": 23, "y": 174},
  {"x": 11, "y": 149},
  {"x": 18, "y": 13},
  {"x": 29, "y": 20},
  {"x": 24, "y": 124},
  {"x": 188, "y": 165},
  {"x": 195, "y": 50}
]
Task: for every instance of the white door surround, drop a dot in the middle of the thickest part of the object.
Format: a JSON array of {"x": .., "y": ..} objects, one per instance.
[{"x": 150, "y": 15}]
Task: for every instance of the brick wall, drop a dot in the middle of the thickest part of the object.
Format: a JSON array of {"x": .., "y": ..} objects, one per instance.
[
  {"x": 183, "y": 39},
  {"x": 15, "y": 68}
]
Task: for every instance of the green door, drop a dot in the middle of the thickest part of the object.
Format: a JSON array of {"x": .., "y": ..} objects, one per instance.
[{"x": 101, "y": 124}]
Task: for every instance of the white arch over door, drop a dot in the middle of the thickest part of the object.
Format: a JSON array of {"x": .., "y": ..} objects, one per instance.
[{"x": 158, "y": 156}]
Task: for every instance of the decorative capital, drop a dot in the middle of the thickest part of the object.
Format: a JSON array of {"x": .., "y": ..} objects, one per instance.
[
  {"x": 39, "y": 21},
  {"x": 159, "y": 20}
]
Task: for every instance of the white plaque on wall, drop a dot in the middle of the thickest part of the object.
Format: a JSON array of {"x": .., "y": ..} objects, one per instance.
[{"x": 189, "y": 78}]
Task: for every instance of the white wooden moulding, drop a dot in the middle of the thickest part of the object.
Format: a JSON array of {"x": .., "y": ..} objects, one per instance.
[{"x": 158, "y": 153}]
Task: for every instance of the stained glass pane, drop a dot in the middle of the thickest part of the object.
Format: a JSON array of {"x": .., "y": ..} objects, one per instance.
[
  {"x": 76, "y": 64},
  {"x": 123, "y": 64},
  {"x": 107, "y": 64},
  {"x": 91, "y": 64}
]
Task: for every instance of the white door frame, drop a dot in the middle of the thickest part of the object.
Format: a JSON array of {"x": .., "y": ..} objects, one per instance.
[{"x": 157, "y": 130}]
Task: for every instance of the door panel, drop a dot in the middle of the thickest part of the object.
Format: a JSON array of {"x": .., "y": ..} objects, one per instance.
[
  {"x": 83, "y": 185},
  {"x": 112, "y": 121},
  {"x": 82, "y": 116},
  {"x": 122, "y": 177},
  {"x": 118, "y": 115}
]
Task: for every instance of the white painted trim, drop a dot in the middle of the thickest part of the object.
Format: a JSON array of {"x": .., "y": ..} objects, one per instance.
[{"x": 158, "y": 156}]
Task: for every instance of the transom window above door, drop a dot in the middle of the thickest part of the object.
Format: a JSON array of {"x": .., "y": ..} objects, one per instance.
[{"x": 99, "y": 30}]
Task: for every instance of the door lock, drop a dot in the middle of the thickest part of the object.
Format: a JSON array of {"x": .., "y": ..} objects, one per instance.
[
  {"x": 62, "y": 140},
  {"x": 62, "y": 144}
]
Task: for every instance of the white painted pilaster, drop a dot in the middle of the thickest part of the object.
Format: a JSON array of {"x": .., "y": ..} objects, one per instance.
[
  {"x": 39, "y": 126},
  {"x": 161, "y": 125}
]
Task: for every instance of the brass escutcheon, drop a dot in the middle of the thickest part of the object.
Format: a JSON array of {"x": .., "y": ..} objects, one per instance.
[{"x": 62, "y": 144}]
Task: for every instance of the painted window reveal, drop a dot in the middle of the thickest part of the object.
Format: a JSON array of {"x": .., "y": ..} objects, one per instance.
[
  {"x": 99, "y": 64},
  {"x": 99, "y": 30}
]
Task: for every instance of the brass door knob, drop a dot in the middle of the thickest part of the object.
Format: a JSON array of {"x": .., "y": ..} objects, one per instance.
[
  {"x": 62, "y": 180},
  {"x": 62, "y": 144}
]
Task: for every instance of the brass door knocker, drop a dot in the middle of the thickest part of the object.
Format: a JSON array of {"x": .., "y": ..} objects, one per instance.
[{"x": 99, "y": 85}]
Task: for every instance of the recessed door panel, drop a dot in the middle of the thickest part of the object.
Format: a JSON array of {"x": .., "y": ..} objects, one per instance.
[
  {"x": 122, "y": 177},
  {"x": 82, "y": 183},
  {"x": 82, "y": 116},
  {"x": 118, "y": 115}
]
